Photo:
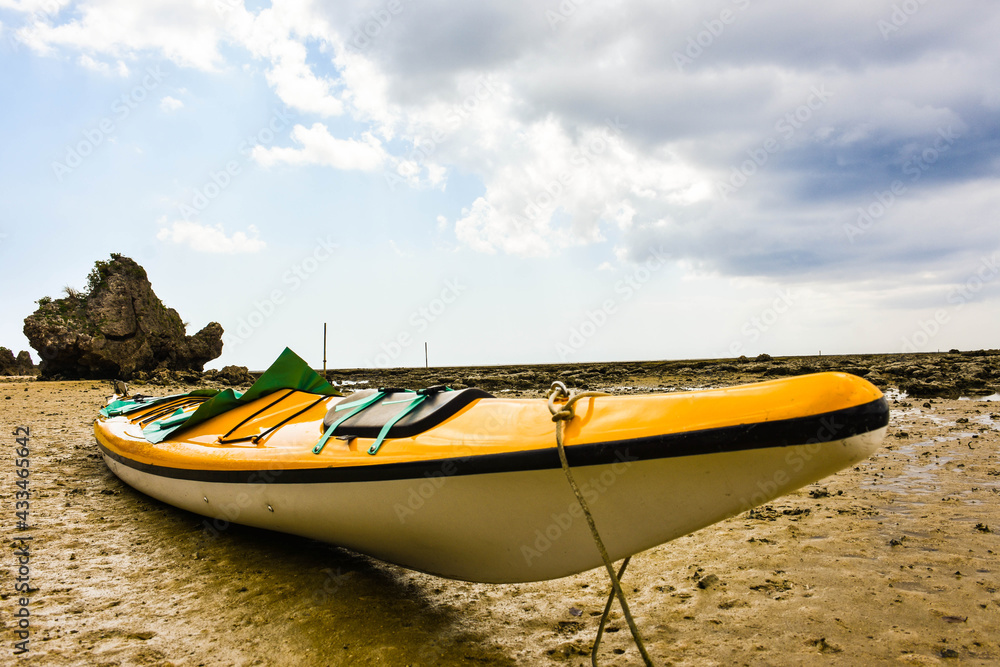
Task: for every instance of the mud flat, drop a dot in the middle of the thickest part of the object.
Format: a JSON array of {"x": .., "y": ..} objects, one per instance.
[{"x": 892, "y": 562}]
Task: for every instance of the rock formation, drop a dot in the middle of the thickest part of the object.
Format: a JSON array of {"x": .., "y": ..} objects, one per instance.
[
  {"x": 117, "y": 328},
  {"x": 231, "y": 375},
  {"x": 11, "y": 365}
]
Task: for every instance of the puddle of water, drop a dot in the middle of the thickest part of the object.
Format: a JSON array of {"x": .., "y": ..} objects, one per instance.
[
  {"x": 915, "y": 533},
  {"x": 898, "y": 415},
  {"x": 921, "y": 444},
  {"x": 900, "y": 508},
  {"x": 994, "y": 398},
  {"x": 919, "y": 479},
  {"x": 986, "y": 420},
  {"x": 920, "y": 474},
  {"x": 915, "y": 586}
]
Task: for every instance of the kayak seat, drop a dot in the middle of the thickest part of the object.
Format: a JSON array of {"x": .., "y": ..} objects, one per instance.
[{"x": 431, "y": 411}]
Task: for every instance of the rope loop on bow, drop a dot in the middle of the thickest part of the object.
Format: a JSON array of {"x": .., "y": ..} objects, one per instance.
[{"x": 562, "y": 413}]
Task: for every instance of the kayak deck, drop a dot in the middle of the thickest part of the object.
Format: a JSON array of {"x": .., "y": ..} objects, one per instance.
[{"x": 246, "y": 438}]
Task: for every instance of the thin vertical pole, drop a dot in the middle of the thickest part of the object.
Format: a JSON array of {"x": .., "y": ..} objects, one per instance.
[
  {"x": 324, "y": 350},
  {"x": 426, "y": 363}
]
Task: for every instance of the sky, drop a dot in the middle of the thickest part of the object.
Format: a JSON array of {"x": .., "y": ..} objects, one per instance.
[{"x": 512, "y": 181}]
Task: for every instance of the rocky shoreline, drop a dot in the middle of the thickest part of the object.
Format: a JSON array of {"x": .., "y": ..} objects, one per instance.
[
  {"x": 920, "y": 375},
  {"x": 945, "y": 375}
]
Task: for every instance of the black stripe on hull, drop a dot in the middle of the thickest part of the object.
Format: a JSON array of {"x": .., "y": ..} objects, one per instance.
[{"x": 815, "y": 429}]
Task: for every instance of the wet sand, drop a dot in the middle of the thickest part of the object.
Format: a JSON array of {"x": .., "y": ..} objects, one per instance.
[{"x": 892, "y": 562}]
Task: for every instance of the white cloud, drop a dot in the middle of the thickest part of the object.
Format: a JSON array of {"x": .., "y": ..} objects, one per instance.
[
  {"x": 552, "y": 188},
  {"x": 187, "y": 32},
  {"x": 298, "y": 87},
  {"x": 94, "y": 65},
  {"x": 278, "y": 34},
  {"x": 121, "y": 69},
  {"x": 366, "y": 89},
  {"x": 485, "y": 229},
  {"x": 202, "y": 238},
  {"x": 36, "y": 7},
  {"x": 169, "y": 104},
  {"x": 321, "y": 148}
]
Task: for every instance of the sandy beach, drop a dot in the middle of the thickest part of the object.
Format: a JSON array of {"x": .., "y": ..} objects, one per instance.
[{"x": 891, "y": 562}]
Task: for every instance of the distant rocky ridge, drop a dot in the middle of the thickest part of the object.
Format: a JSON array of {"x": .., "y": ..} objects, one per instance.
[
  {"x": 19, "y": 365},
  {"x": 947, "y": 375},
  {"x": 920, "y": 375},
  {"x": 232, "y": 376},
  {"x": 118, "y": 328}
]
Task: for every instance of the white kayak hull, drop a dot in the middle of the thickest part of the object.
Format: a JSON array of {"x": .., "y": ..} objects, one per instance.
[{"x": 514, "y": 526}]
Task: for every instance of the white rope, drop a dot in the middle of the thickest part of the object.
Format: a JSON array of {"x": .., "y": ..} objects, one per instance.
[{"x": 562, "y": 414}]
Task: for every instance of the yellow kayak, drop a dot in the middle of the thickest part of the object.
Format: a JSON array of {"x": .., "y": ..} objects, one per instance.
[{"x": 467, "y": 486}]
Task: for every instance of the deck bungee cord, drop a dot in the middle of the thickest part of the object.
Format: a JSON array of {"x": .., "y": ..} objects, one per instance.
[
  {"x": 223, "y": 439},
  {"x": 357, "y": 406},
  {"x": 379, "y": 398}
]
